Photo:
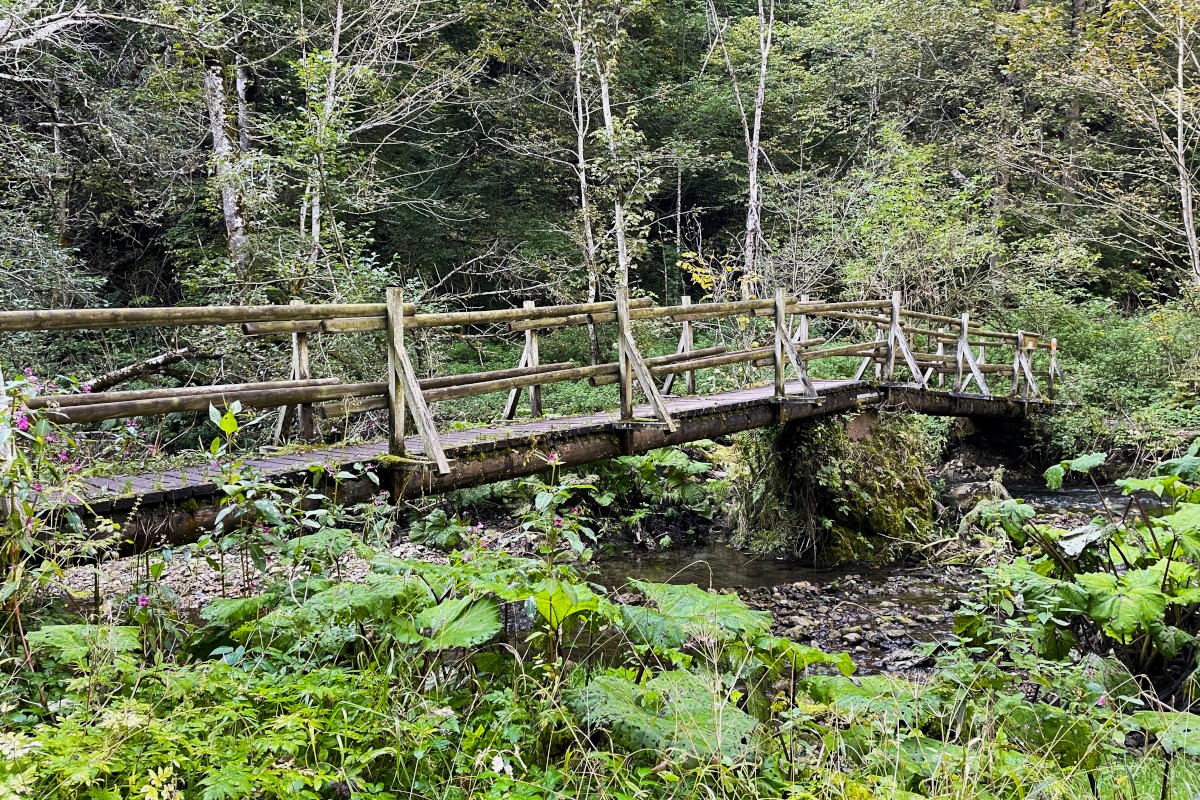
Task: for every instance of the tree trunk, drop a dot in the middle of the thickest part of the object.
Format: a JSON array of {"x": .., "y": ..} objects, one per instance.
[
  {"x": 1072, "y": 128},
  {"x": 585, "y": 204},
  {"x": 766, "y": 27},
  {"x": 224, "y": 168},
  {"x": 243, "y": 79},
  {"x": 603, "y": 70},
  {"x": 1187, "y": 200}
]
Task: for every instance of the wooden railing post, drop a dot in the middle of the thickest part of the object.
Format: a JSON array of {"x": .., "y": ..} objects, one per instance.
[
  {"x": 396, "y": 410},
  {"x": 529, "y": 358},
  {"x": 624, "y": 365},
  {"x": 802, "y": 329},
  {"x": 299, "y": 370},
  {"x": 404, "y": 391},
  {"x": 1024, "y": 384},
  {"x": 961, "y": 353},
  {"x": 686, "y": 344},
  {"x": 780, "y": 334},
  {"x": 889, "y": 366},
  {"x": 531, "y": 343},
  {"x": 941, "y": 351},
  {"x": 1018, "y": 356}
]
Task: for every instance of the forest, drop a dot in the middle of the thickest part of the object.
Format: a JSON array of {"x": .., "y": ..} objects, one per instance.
[{"x": 805, "y": 611}]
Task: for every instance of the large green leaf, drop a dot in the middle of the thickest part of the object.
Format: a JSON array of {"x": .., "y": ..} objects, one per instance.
[
  {"x": 1158, "y": 486},
  {"x": 1125, "y": 606},
  {"x": 801, "y": 656},
  {"x": 1082, "y": 464},
  {"x": 702, "y": 614},
  {"x": 647, "y": 626},
  {"x": 893, "y": 699},
  {"x": 557, "y": 601},
  {"x": 1175, "y": 731},
  {"x": 1186, "y": 517},
  {"x": 674, "y": 712},
  {"x": 459, "y": 622},
  {"x": 77, "y": 643}
]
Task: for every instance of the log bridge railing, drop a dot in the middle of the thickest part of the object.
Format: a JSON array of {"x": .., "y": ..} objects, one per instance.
[{"x": 909, "y": 348}]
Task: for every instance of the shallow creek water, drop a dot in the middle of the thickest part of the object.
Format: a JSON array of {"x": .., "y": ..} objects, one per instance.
[{"x": 881, "y": 616}]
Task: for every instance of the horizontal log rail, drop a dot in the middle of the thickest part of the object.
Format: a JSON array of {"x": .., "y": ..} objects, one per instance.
[{"x": 904, "y": 350}]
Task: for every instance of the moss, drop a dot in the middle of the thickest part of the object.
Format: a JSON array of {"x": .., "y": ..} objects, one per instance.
[
  {"x": 388, "y": 461},
  {"x": 189, "y": 505},
  {"x": 809, "y": 491}
]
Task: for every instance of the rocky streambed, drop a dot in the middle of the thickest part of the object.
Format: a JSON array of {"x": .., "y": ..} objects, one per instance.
[{"x": 880, "y": 616}]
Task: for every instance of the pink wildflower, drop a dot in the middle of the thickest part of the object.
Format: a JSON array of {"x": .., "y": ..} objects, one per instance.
[
  {"x": 552, "y": 458},
  {"x": 558, "y": 522},
  {"x": 1103, "y": 701},
  {"x": 483, "y": 544},
  {"x": 37, "y": 487},
  {"x": 86, "y": 388},
  {"x": 63, "y": 455},
  {"x": 143, "y": 601},
  {"x": 22, "y": 422},
  {"x": 575, "y": 510}
]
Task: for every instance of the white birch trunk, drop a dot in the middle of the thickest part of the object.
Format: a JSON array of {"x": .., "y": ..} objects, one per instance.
[{"x": 224, "y": 169}]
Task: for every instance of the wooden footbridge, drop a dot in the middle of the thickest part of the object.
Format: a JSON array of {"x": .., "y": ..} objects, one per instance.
[{"x": 886, "y": 356}]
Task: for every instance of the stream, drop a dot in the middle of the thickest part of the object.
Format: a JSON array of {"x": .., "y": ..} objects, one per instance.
[{"x": 881, "y": 616}]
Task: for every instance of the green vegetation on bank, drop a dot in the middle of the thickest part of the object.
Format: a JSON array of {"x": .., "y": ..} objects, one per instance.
[{"x": 499, "y": 675}]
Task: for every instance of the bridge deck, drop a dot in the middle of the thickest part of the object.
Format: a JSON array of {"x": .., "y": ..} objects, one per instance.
[{"x": 520, "y": 446}]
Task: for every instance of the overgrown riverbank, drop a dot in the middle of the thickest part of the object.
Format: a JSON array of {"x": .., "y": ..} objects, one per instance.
[{"x": 482, "y": 656}]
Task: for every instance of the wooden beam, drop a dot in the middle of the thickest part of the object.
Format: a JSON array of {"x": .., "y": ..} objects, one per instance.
[
  {"x": 404, "y": 375},
  {"x": 218, "y": 396}
]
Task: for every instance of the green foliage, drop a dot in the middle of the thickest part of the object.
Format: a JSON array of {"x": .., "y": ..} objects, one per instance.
[
  {"x": 676, "y": 714},
  {"x": 1122, "y": 582}
]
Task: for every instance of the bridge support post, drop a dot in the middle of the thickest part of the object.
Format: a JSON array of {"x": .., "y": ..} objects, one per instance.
[
  {"x": 404, "y": 390},
  {"x": 685, "y": 346},
  {"x": 529, "y": 358},
  {"x": 624, "y": 367},
  {"x": 780, "y": 335}
]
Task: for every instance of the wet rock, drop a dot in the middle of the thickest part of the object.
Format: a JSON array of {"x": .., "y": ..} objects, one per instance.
[
  {"x": 852, "y": 637},
  {"x": 904, "y": 660},
  {"x": 965, "y": 496}
]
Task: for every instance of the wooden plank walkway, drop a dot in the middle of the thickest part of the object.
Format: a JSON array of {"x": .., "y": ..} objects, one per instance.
[
  {"x": 120, "y": 492},
  {"x": 525, "y": 443}
]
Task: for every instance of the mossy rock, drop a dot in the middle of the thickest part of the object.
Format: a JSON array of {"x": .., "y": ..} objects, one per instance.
[{"x": 810, "y": 491}]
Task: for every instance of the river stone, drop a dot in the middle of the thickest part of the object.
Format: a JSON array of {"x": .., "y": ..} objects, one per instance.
[
  {"x": 895, "y": 633},
  {"x": 852, "y": 637},
  {"x": 966, "y": 496}
]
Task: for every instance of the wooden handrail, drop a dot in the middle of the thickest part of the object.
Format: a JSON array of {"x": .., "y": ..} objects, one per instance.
[{"x": 892, "y": 350}]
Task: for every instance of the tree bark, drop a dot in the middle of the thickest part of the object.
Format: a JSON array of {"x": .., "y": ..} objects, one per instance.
[
  {"x": 585, "y": 204},
  {"x": 150, "y": 366},
  {"x": 603, "y": 70},
  {"x": 1187, "y": 201},
  {"x": 224, "y": 169}
]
